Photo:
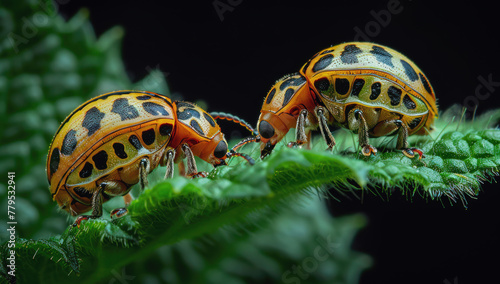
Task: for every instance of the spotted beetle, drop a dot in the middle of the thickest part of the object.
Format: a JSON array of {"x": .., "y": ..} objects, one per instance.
[
  {"x": 114, "y": 140},
  {"x": 367, "y": 88}
]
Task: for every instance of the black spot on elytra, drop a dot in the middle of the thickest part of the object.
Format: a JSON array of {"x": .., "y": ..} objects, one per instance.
[
  {"x": 185, "y": 104},
  {"x": 119, "y": 93},
  {"x": 92, "y": 120},
  {"x": 143, "y": 98},
  {"x": 120, "y": 150},
  {"x": 382, "y": 55},
  {"x": 196, "y": 126},
  {"x": 69, "y": 143},
  {"x": 288, "y": 95},
  {"x": 100, "y": 160},
  {"x": 299, "y": 81},
  {"x": 148, "y": 136},
  {"x": 414, "y": 123},
  {"x": 412, "y": 75},
  {"x": 426, "y": 84},
  {"x": 86, "y": 170},
  {"x": 327, "y": 51},
  {"x": 395, "y": 95},
  {"x": 104, "y": 97},
  {"x": 165, "y": 129},
  {"x": 82, "y": 192},
  {"x": 135, "y": 142},
  {"x": 154, "y": 108},
  {"x": 292, "y": 82},
  {"x": 187, "y": 113},
  {"x": 409, "y": 103},
  {"x": 209, "y": 119},
  {"x": 54, "y": 161},
  {"x": 357, "y": 86},
  {"x": 286, "y": 83},
  {"x": 322, "y": 84},
  {"x": 270, "y": 96},
  {"x": 126, "y": 111},
  {"x": 341, "y": 86},
  {"x": 322, "y": 63},
  {"x": 375, "y": 90},
  {"x": 349, "y": 55}
]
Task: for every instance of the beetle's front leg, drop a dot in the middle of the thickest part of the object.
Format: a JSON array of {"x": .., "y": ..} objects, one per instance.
[
  {"x": 143, "y": 173},
  {"x": 323, "y": 127},
  {"x": 97, "y": 200},
  {"x": 402, "y": 143},
  {"x": 143, "y": 182},
  {"x": 169, "y": 162},
  {"x": 357, "y": 120},
  {"x": 300, "y": 130},
  {"x": 117, "y": 188},
  {"x": 192, "y": 170}
]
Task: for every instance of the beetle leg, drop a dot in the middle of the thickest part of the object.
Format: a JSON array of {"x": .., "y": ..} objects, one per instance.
[
  {"x": 402, "y": 143},
  {"x": 389, "y": 126},
  {"x": 115, "y": 188},
  {"x": 410, "y": 152},
  {"x": 143, "y": 173},
  {"x": 366, "y": 148},
  {"x": 97, "y": 200},
  {"x": 169, "y": 157},
  {"x": 192, "y": 170},
  {"x": 190, "y": 161},
  {"x": 323, "y": 127},
  {"x": 120, "y": 212},
  {"x": 300, "y": 130}
]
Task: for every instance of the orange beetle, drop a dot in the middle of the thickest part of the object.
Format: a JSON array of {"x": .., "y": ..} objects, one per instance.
[
  {"x": 367, "y": 88},
  {"x": 113, "y": 141}
]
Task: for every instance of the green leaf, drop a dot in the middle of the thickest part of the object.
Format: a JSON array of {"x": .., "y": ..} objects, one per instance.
[{"x": 234, "y": 197}]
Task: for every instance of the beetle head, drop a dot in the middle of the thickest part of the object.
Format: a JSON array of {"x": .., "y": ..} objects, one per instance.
[{"x": 271, "y": 130}]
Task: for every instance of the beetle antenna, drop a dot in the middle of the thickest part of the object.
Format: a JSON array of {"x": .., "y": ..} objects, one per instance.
[
  {"x": 235, "y": 119},
  {"x": 249, "y": 159},
  {"x": 246, "y": 141}
]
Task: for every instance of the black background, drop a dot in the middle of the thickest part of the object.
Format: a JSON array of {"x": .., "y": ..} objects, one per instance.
[{"x": 231, "y": 64}]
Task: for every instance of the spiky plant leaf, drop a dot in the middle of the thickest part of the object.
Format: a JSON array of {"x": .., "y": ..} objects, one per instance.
[{"x": 180, "y": 209}]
